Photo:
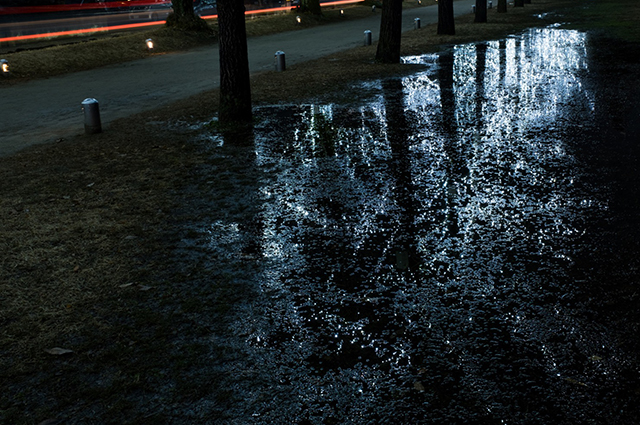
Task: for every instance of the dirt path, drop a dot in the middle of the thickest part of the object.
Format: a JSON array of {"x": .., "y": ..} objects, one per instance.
[{"x": 43, "y": 111}]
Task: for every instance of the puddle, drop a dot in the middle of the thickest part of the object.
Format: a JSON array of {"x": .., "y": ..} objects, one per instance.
[{"x": 421, "y": 255}]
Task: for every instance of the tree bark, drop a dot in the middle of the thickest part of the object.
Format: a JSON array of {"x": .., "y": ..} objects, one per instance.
[
  {"x": 518, "y": 3},
  {"x": 311, "y": 6},
  {"x": 185, "y": 18},
  {"x": 481, "y": 11},
  {"x": 183, "y": 9},
  {"x": 388, "y": 50},
  {"x": 235, "y": 86},
  {"x": 446, "y": 23},
  {"x": 502, "y": 6}
]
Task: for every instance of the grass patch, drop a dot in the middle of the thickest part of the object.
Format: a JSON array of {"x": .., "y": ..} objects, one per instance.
[{"x": 616, "y": 18}]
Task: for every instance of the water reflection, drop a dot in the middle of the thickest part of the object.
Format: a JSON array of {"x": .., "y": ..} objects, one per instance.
[{"x": 417, "y": 248}]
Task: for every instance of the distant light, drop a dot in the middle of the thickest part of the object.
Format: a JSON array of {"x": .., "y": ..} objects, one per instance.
[
  {"x": 342, "y": 11},
  {"x": 5, "y": 66},
  {"x": 149, "y": 43},
  {"x": 298, "y": 19}
]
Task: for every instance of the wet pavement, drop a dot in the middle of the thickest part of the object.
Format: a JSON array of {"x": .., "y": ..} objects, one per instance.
[{"x": 457, "y": 246}]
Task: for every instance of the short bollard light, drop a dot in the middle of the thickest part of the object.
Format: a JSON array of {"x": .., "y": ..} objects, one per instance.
[
  {"x": 373, "y": 8},
  {"x": 149, "y": 43},
  {"x": 342, "y": 11},
  {"x": 490, "y": 4},
  {"x": 416, "y": 23},
  {"x": 91, "y": 111},
  {"x": 280, "y": 61},
  {"x": 298, "y": 19},
  {"x": 367, "y": 38},
  {"x": 4, "y": 64},
  {"x": 473, "y": 8}
]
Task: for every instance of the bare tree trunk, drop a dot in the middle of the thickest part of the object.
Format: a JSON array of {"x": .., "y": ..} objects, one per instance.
[
  {"x": 183, "y": 9},
  {"x": 311, "y": 6},
  {"x": 390, "y": 32},
  {"x": 446, "y": 23},
  {"x": 481, "y": 11},
  {"x": 502, "y": 6},
  {"x": 235, "y": 86},
  {"x": 184, "y": 17}
]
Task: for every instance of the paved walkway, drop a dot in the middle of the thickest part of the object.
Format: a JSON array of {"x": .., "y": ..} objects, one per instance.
[{"x": 42, "y": 111}]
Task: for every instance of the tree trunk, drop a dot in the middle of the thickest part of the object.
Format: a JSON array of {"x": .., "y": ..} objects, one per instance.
[
  {"x": 527, "y": 1},
  {"x": 390, "y": 32},
  {"x": 184, "y": 17},
  {"x": 481, "y": 11},
  {"x": 502, "y": 6},
  {"x": 183, "y": 9},
  {"x": 235, "y": 86},
  {"x": 518, "y": 3},
  {"x": 446, "y": 24},
  {"x": 311, "y": 6}
]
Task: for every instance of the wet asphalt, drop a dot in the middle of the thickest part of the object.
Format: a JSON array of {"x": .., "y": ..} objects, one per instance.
[{"x": 46, "y": 110}]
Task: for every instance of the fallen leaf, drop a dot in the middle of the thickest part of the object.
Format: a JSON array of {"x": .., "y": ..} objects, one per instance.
[
  {"x": 145, "y": 288},
  {"x": 76, "y": 268},
  {"x": 418, "y": 386},
  {"x": 57, "y": 351},
  {"x": 126, "y": 285},
  {"x": 575, "y": 382}
]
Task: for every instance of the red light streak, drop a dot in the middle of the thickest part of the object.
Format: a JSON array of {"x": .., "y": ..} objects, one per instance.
[
  {"x": 148, "y": 24},
  {"x": 80, "y": 6},
  {"x": 82, "y": 31}
]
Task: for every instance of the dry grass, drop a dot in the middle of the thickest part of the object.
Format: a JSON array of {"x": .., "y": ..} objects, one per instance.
[{"x": 90, "y": 234}]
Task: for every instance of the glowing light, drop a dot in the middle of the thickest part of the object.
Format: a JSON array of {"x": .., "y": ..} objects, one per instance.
[
  {"x": 5, "y": 66},
  {"x": 149, "y": 43},
  {"x": 298, "y": 19}
]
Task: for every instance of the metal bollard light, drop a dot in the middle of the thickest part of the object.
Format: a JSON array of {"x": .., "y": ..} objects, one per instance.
[
  {"x": 490, "y": 4},
  {"x": 416, "y": 23},
  {"x": 280, "y": 61},
  {"x": 473, "y": 8},
  {"x": 91, "y": 110},
  {"x": 367, "y": 38}
]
